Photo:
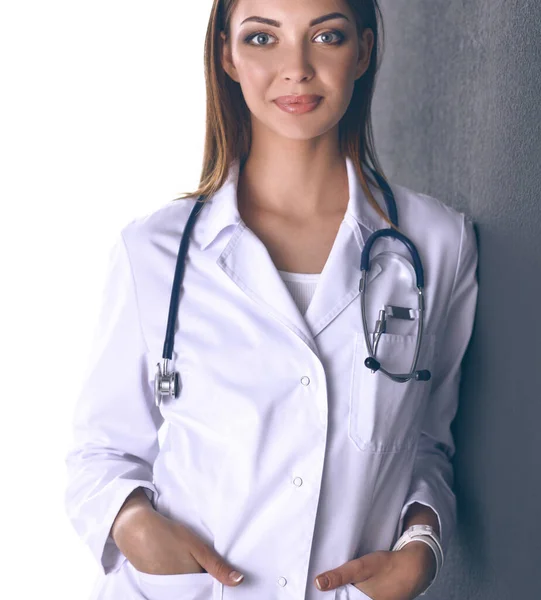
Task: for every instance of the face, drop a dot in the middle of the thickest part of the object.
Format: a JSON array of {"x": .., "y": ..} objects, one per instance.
[{"x": 293, "y": 57}]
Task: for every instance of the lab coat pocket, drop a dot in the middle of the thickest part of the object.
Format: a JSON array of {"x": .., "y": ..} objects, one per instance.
[
  {"x": 350, "y": 592},
  {"x": 182, "y": 586},
  {"x": 384, "y": 415}
]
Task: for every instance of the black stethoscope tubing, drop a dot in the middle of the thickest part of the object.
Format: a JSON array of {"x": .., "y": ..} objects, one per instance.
[{"x": 167, "y": 384}]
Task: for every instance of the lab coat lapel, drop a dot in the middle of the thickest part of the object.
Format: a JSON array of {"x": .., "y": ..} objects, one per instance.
[
  {"x": 338, "y": 285},
  {"x": 249, "y": 265}
]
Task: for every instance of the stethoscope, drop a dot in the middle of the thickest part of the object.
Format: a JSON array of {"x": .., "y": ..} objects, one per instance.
[
  {"x": 166, "y": 384},
  {"x": 371, "y": 361}
]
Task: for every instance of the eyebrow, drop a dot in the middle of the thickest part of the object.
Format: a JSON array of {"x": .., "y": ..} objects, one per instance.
[{"x": 334, "y": 15}]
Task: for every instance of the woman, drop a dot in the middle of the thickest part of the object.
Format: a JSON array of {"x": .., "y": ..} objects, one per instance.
[{"x": 283, "y": 457}]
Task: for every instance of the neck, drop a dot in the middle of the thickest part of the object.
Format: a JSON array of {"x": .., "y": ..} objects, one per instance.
[{"x": 298, "y": 180}]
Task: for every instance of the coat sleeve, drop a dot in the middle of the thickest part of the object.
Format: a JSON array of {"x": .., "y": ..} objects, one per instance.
[
  {"x": 432, "y": 477},
  {"x": 115, "y": 420}
]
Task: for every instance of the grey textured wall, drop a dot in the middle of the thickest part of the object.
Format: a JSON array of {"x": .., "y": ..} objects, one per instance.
[{"x": 457, "y": 115}]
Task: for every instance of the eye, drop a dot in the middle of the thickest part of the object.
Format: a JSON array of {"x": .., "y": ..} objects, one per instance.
[
  {"x": 340, "y": 35},
  {"x": 258, "y": 35}
]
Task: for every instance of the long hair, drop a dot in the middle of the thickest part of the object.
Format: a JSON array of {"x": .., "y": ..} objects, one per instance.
[{"x": 228, "y": 123}]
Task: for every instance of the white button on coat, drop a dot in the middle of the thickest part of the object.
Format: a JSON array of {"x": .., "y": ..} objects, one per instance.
[{"x": 222, "y": 463}]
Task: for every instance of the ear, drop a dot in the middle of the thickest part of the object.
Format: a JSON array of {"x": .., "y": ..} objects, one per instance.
[
  {"x": 366, "y": 45},
  {"x": 227, "y": 58}
]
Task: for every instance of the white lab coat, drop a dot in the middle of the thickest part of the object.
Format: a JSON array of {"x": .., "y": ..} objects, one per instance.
[{"x": 283, "y": 450}]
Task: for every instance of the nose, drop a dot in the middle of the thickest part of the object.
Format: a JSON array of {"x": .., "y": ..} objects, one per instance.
[{"x": 297, "y": 66}]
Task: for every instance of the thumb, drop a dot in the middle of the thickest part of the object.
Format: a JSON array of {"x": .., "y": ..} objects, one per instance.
[
  {"x": 353, "y": 571},
  {"x": 215, "y": 565}
]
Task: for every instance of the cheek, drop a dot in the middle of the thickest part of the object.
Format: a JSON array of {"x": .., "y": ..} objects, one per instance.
[
  {"x": 339, "y": 81},
  {"x": 343, "y": 72},
  {"x": 255, "y": 78},
  {"x": 250, "y": 60},
  {"x": 335, "y": 68},
  {"x": 347, "y": 86}
]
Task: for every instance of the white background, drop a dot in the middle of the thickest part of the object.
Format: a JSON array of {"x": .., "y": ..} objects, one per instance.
[{"x": 102, "y": 108}]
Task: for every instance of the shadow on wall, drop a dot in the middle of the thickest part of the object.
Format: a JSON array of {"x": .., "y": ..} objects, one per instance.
[{"x": 497, "y": 423}]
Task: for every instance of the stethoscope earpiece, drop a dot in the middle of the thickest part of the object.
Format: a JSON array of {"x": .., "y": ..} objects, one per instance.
[
  {"x": 423, "y": 375},
  {"x": 372, "y": 364}
]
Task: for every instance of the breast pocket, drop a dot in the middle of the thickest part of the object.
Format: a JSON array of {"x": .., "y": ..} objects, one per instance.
[{"x": 384, "y": 415}]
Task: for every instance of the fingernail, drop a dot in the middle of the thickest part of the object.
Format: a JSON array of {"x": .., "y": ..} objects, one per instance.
[
  {"x": 322, "y": 582},
  {"x": 235, "y": 576}
]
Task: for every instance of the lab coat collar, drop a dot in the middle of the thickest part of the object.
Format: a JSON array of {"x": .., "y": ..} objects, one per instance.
[
  {"x": 223, "y": 207},
  {"x": 247, "y": 263}
]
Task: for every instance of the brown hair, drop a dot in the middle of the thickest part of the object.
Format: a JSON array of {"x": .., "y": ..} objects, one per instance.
[{"x": 228, "y": 124}]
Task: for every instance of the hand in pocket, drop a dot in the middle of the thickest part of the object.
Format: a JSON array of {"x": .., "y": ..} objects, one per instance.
[{"x": 166, "y": 547}]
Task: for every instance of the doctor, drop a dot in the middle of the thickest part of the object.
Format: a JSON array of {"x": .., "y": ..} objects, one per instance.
[{"x": 283, "y": 457}]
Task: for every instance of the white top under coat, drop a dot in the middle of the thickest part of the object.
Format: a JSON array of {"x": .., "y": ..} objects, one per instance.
[{"x": 301, "y": 286}]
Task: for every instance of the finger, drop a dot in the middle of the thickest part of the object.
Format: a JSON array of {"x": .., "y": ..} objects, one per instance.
[
  {"x": 354, "y": 571},
  {"x": 215, "y": 565}
]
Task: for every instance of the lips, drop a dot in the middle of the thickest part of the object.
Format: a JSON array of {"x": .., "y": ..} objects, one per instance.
[{"x": 305, "y": 99}]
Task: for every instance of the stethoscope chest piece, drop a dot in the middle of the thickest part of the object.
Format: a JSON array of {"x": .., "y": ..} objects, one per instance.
[{"x": 166, "y": 385}]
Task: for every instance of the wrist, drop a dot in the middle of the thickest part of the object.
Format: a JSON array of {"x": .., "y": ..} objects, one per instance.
[
  {"x": 410, "y": 543},
  {"x": 420, "y": 565},
  {"x": 425, "y": 558}
]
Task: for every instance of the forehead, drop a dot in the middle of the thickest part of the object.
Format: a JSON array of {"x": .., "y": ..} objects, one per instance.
[{"x": 288, "y": 11}]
